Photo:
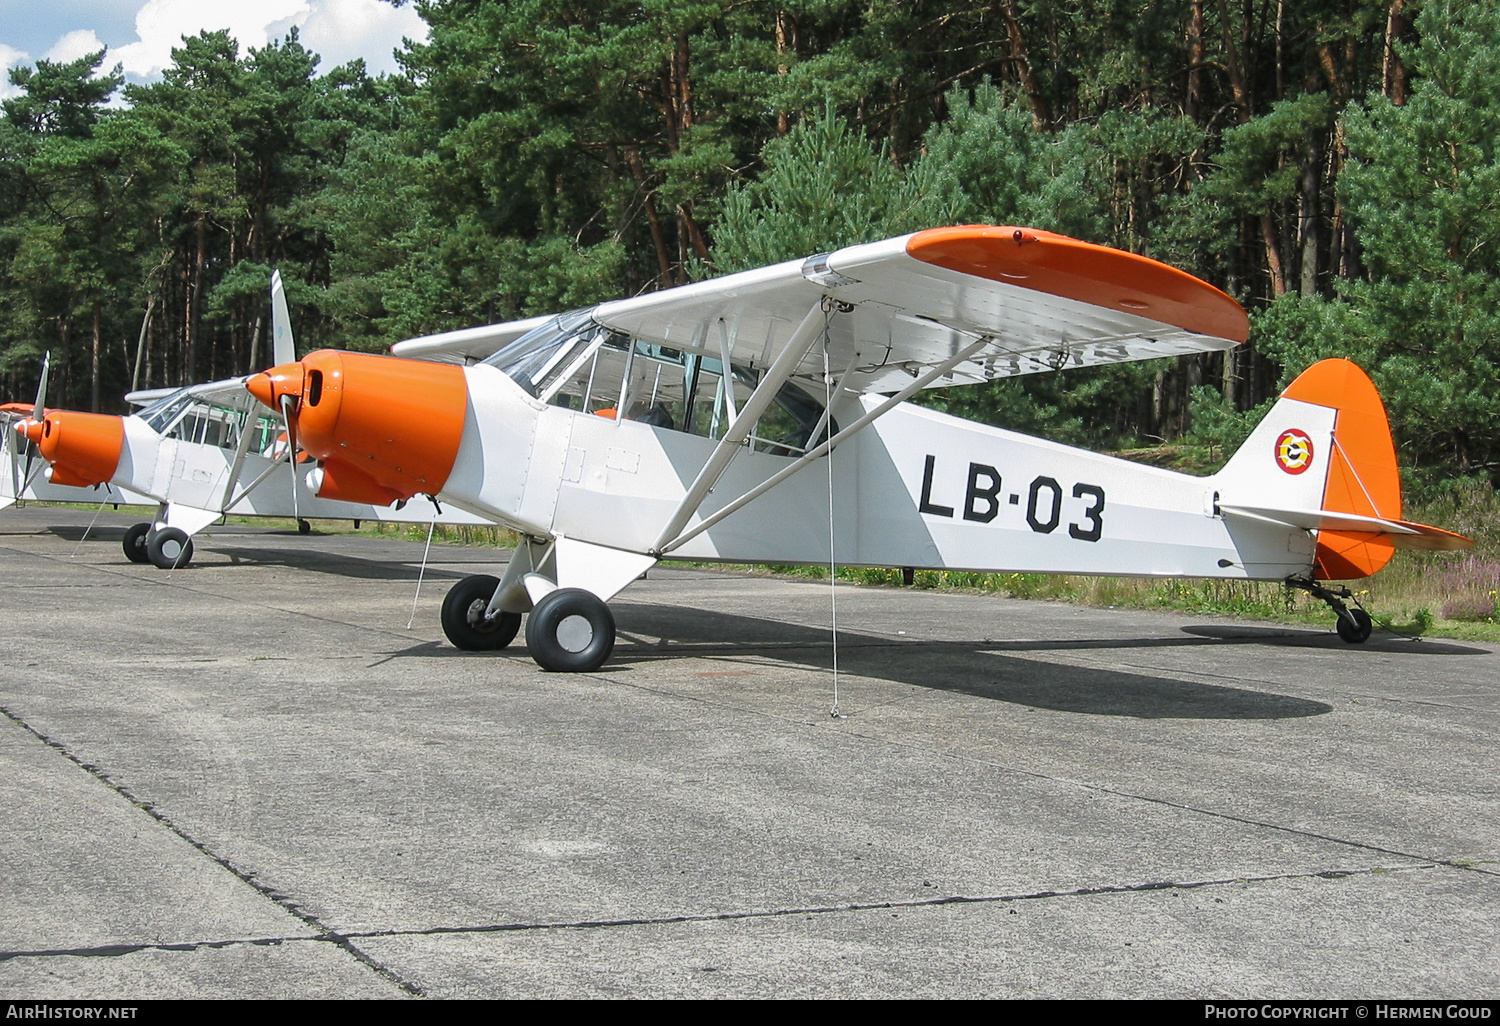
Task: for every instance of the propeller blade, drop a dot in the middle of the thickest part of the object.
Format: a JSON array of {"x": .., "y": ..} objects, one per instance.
[
  {"x": 40, "y": 409},
  {"x": 38, "y": 414},
  {"x": 283, "y": 348}
]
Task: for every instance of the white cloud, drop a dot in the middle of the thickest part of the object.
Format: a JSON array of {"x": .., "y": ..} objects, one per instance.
[
  {"x": 9, "y": 58},
  {"x": 73, "y": 45},
  {"x": 338, "y": 30},
  {"x": 161, "y": 24},
  {"x": 341, "y": 30}
]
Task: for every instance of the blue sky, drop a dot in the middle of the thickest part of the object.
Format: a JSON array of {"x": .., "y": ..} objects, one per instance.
[{"x": 140, "y": 33}]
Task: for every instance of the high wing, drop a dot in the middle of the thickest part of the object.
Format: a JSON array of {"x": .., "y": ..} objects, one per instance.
[
  {"x": 467, "y": 345},
  {"x": 1039, "y": 301},
  {"x": 227, "y": 394},
  {"x": 1042, "y": 301}
]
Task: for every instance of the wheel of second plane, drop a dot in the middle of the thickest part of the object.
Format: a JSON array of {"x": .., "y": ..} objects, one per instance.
[
  {"x": 570, "y": 631},
  {"x": 1354, "y": 625},
  {"x": 464, "y": 621},
  {"x": 135, "y": 543},
  {"x": 170, "y": 548}
]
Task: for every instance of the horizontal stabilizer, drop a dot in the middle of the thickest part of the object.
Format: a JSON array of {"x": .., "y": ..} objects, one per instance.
[{"x": 1401, "y": 533}]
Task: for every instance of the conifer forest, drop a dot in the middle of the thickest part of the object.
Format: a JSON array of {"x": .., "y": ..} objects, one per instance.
[{"x": 1332, "y": 164}]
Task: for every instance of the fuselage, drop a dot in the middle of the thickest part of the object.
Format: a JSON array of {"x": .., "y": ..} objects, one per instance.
[{"x": 917, "y": 488}]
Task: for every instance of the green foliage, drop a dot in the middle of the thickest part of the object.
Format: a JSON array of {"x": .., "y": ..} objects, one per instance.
[
  {"x": 537, "y": 154},
  {"x": 1421, "y": 190},
  {"x": 1218, "y": 426},
  {"x": 823, "y": 186}
]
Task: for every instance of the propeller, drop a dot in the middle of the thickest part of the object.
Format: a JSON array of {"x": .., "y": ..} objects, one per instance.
[
  {"x": 284, "y": 351},
  {"x": 289, "y": 418},
  {"x": 38, "y": 416}
]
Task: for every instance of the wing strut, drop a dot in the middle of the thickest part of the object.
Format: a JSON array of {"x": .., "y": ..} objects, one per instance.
[
  {"x": 786, "y": 362},
  {"x": 812, "y": 454},
  {"x": 247, "y": 433}
]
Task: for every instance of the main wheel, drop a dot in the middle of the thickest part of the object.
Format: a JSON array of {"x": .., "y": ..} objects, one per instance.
[
  {"x": 463, "y": 616},
  {"x": 170, "y": 548},
  {"x": 135, "y": 543},
  {"x": 1354, "y": 625},
  {"x": 570, "y": 631},
  {"x": 303, "y": 527}
]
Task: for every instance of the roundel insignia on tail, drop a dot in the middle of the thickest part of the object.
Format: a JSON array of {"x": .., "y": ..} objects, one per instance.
[{"x": 1294, "y": 451}]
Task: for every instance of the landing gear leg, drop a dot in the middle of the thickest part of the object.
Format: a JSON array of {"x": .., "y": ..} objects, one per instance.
[{"x": 1354, "y": 624}]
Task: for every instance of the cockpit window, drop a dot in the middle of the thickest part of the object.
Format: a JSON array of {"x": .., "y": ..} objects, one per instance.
[
  {"x": 540, "y": 357},
  {"x": 573, "y": 362},
  {"x": 163, "y": 413},
  {"x": 187, "y": 419}
]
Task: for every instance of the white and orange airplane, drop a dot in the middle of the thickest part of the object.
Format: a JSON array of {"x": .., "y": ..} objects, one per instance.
[
  {"x": 762, "y": 417},
  {"x": 22, "y": 470},
  {"x": 197, "y": 453}
]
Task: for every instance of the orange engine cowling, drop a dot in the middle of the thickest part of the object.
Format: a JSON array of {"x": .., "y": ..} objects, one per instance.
[
  {"x": 334, "y": 479},
  {"x": 82, "y": 448},
  {"x": 385, "y": 428}
]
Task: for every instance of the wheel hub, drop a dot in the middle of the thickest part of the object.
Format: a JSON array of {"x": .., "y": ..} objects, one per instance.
[
  {"x": 575, "y": 633},
  {"x": 477, "y": 618}
]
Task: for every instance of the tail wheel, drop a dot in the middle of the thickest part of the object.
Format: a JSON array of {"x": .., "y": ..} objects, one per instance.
[
  {"x": 170, "y": 548},
  {"x": 465, "y": 623},
  {"x": 135, "y": 543},
  {"x": 1355, "y": 625},
  {"x": 570, "y": 631}
]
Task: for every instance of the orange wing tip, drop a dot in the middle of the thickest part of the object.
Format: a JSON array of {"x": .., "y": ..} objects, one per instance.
[{"x": 1085, "y": 272}]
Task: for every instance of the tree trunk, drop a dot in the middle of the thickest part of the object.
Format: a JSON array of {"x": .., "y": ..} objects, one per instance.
[
  {"x": 140, "y": 345},
  {"x": 1307, "y": 221},
  {"x": 94, "y": 356},
  {"x": 1041, "y": 117},
  {"x": 1393, "y": 72},
  {"x": 195, "y": 301},
  {"x": 782, "y": 68}
]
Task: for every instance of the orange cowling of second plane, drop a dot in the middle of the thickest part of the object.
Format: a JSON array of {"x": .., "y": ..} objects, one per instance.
[
  {"x": 386, "y": 428},
  {"x": 83, "y": 448}
]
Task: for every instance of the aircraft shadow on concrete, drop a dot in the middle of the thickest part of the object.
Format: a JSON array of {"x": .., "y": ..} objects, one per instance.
[
  {"x": 302, "y": 553},
  {"x": 977, "y": 668}
]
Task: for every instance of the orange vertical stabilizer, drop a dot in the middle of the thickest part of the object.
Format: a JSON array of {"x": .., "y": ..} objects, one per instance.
[{"x": 1362, "y": 474}]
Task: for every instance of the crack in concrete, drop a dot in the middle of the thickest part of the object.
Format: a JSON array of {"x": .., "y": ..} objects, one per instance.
[
  {"x": 330, "y": 936},
  {"x": 325, "y": 933}
]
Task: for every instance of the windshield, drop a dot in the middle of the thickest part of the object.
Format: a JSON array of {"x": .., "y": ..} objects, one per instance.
[
  {"x": 543, "y": 355},
  {"x": 161, "y": 414}
]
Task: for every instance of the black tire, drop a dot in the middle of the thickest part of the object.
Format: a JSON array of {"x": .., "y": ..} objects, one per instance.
[
  {"x": 135, "y": 543},
  {"x": 463, "y": 616},
  {"x": 303, "y": 527},
  {"x": 570, "y": 631},
  {"x": 170, "y": 548},
  {"x": 1354, "y": 626}
]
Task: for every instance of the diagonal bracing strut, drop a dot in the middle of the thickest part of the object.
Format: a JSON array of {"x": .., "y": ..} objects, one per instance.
[{"x": 812, "y": 454}]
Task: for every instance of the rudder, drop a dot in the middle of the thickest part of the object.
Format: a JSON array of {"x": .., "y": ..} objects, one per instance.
[{"x": 1325, "y": 448}]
